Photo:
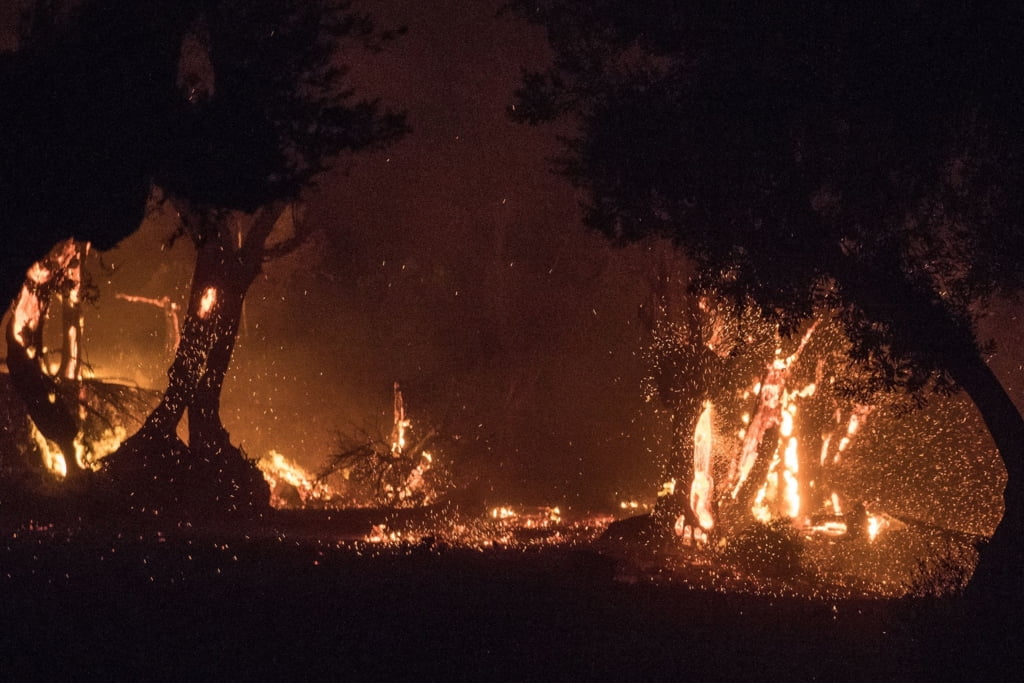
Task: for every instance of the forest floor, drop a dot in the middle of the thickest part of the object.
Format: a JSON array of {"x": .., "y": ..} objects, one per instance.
[{"x": 305, "y": 595}]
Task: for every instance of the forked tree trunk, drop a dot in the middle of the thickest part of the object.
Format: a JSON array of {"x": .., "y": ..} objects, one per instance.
[
  {"x": 199, "y": 332},
  {"x": 222, "y": 277}
]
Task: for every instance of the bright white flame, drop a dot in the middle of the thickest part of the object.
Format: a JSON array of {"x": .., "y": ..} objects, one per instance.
[
  {"x": 702, "y": 488},
  {"x": 207, "y": 302}
]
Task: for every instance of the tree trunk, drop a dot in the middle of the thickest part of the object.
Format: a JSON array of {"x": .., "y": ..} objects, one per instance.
[
  {"x": 206, "y": 431},
  {"x": 190, "y": 360},
  {"x": 1000, "y": 572},
  {"x": 215, "y": 470},
  {"x": 999, "y": 576},
  {"x": 669, "y": 508},
  {"x": 50, "y": 402}
]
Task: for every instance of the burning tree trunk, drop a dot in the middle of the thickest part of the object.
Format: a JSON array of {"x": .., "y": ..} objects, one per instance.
[
  {"x": 813, "y": 424},
  {"x": 72, "y": 320},
  {"x": 52, "y": 402},
  {"x": 702, "y": 490},
  {"x": 767, "y": 416},
  {"x": 686, "y": 363},
  {"x": 761, "y": 438},
  {"x": 223, "y": 274}
]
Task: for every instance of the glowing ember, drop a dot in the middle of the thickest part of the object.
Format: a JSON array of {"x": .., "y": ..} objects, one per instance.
[
  {"x": 503, "y": 513},
  {"x": 207, "y": 302},
  {"x": 528, "y": 518}
]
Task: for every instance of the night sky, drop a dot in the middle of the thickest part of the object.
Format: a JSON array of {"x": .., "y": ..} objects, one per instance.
[{"x": 454, "y": 263}]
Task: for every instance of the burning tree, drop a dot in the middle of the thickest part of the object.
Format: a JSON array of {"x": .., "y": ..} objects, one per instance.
[
  {"x": 756, "y": 418},
  {"x": 815, "y": 156},
  {"x": 263, "y": 111},
  {"x": 75, "y": 422},
  {"x": 52, "y": 399}
]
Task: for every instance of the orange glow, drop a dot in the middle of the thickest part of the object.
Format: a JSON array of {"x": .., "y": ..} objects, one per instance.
[
  {"x": 401, "y": 424},
  {"x": 281, "y": 473},
  {"x": 53, "y": 459},
  {"x": 702, "y": 488},
  {"x": 874, "y": 527},
  {"x": 207, "y": 302}
]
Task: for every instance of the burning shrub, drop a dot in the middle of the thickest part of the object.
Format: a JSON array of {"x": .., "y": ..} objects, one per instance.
[
  {"x": 772, "y": 549},
  {"x": 392, "y": 471}
]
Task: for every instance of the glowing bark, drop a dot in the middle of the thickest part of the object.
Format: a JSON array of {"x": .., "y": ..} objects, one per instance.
[
  {"x": 51, "y": 402},
  {"x": 702, "y": 489},
  {"x": 767, "y": 416}
]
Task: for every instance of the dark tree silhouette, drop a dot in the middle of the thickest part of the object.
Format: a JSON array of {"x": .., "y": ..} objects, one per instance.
[
  {"x": 867, "y": 159},
  {"x": 86, "y": 112}
]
